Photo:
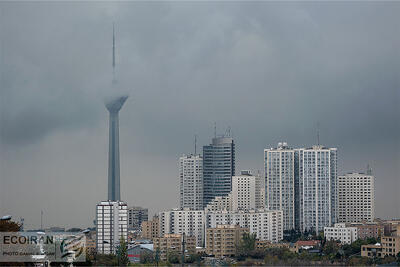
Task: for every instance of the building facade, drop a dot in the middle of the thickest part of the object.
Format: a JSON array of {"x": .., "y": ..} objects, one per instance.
[
  {"x": 356, "y": 198},
  {"x": 389, "y": 246},
  {"x": 172, "y": 244},
  {"x": 316, "y": 171},
  {"x": 279, "y": 182},
  {"x": 268, "y": 225},
  {"x": 191, "y": 182},
  {"x": 151, "y": 229},
  {"x": 223, "y": 240},
  {"x": 346, "y": 234},
  {"x": 369, "y": 230},
  {"x": 220, "y": 203},
  {"x": 371, "y": 250},
  {"x": 247, "y": 192},
  {"x": 136, "y": 215},
  {"x": 391, "y": 243},
  {"x": 111, "y": 225},
  {"x": 189, "y": 222},
  {"x": 218, "y": 168}
]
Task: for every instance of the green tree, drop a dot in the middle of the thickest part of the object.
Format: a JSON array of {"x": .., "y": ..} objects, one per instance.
[
  {"x": 123, "y": 252},
  {"x": 291, "y": 235},
  {"x": 331, "y": 247},
  {"x": 247, "y": 245},
  {"x": 157, "y": 256},
  {"x": 173, "y": 257},
  {"x": 146, "y": 257}
]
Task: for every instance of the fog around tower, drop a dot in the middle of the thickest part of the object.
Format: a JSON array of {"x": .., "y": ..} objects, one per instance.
[{"x": 269, "y": 70}]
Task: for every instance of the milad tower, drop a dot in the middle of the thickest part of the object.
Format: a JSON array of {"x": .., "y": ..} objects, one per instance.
[{"x": 114, "y": 105}]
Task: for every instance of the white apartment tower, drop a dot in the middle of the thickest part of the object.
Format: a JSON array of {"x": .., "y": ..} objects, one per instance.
[
  {"x": 356, "y": 198},
  {"x": 247, "y": 192},
  {"x": 279, "y": 182},
  {"x": 111, "y": 225},
  {"x": 191, "y": 182},
  {"x": 316, "y": 171},
  {"x": 178, "y": 221}
]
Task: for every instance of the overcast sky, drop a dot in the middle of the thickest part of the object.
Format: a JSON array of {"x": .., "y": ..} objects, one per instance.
[{"x": 268, "y": 70}]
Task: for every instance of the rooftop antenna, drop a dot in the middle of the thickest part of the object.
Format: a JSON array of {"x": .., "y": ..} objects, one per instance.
[
  {"x": 113, "y": 56},
  {"x": 215, "y": 129},
  {"x": 369, "y": 170},
  {"x": 228, "y": 131},
  {"x": 41, "y": 220},
  {"x": 195, "y": 144},
  {"x": 318, "y": 133}
]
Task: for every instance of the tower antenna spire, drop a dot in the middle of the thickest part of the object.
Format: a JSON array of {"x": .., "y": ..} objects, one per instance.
[
  {"x": 113, "y": 54},
  {"x": 317, "y": 133}
]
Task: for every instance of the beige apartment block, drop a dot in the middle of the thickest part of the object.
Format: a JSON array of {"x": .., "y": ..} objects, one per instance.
[
  {"x": 223, "y": 240},
  {"x": 172, "y": 244},
  {"x": 391, "y": 244},
  {"x": 371, "y": 251},
  {"x": 150, "y": 229}
]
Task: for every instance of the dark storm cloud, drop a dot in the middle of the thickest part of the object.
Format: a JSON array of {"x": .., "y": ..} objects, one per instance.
[{"x": 271, "y": 71}]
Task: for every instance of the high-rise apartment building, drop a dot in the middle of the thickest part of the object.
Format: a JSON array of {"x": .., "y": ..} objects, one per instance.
[
  {"x": 356, "y": 198},
  {"x": 136, "y": 215},
  {"x": 247, "y": 192},
  {"x": 191, "y": 182},
  {"x": 280, "y": 183},
  {"x": 266, "y": 224},
  {"x": 316, "y": 171},
  {"x": 218, "y": 168},
  {"x": 190, "y": 222},
  {"x": 111, "y": 225}
]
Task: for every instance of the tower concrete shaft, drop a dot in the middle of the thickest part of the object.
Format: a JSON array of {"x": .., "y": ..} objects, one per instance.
[{"x": 114, "y": 107}]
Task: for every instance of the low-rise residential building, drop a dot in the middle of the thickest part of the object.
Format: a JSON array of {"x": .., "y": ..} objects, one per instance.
[
  {"x": 223, "y": 240},
  {"x": 391, "y": 243},
  {"x": 266, "y": 224},
  {"x": 371, "y": 251},
  {"x": 341, "y": 232},
  {"x": 150, "y": 229},
  {"x": 91, "y": 243},
  {"x": 137, "y": 251},
  {"x": 390, "y": 226},
  {"x": 368, "y": 230},
  {"x": 172, "y": 244}
]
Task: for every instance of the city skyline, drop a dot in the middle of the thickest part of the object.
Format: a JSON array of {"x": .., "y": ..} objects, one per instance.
[{"x": 242, "y": 65}]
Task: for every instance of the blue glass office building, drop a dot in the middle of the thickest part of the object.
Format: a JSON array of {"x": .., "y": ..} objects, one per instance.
[{"x": 218, "y": 168}]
